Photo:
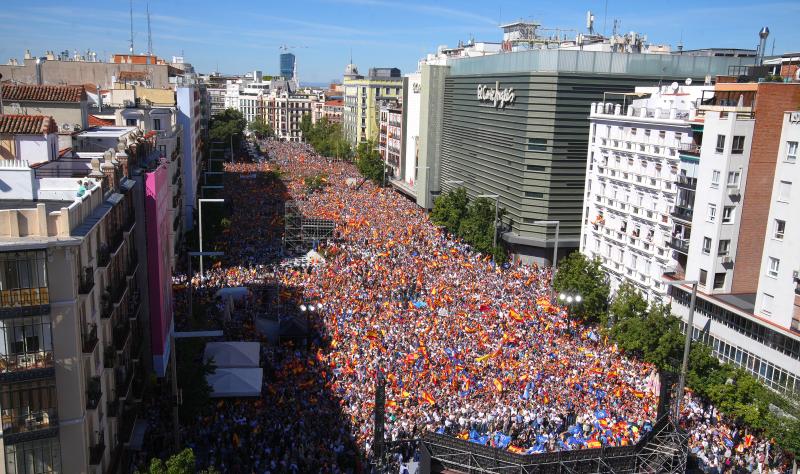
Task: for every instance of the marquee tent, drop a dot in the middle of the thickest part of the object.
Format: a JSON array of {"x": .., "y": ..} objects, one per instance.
[{"x": 236, "y": 382}]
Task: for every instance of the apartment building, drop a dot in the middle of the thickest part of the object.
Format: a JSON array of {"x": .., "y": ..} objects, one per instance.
[
  {"x": 640, "y": 159},
  {"x": 66, "y": 104},
  {"x": 71, "y": 378},
  {"x": 390, "y": 138},
  {"x": 731, "y": 235},
  {"x": 284, "y": 112},
  {"x": 332, "y": 110},
  {"x": 189, "y": 118},
  {"x": 362, "y": 98}
]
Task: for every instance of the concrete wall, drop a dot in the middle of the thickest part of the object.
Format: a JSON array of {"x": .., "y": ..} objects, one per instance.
[
  {"x": 79, "y": 72},
  {"x": 412, "y": 93},
  {"x": 430, "y": 137},
  {"x": 63, "y": 113}
]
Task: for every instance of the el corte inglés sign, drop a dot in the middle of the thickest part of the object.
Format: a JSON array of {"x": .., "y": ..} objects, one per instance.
[{"x": 498, "y": 97}]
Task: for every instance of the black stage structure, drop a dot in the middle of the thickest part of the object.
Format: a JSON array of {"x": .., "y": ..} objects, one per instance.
[{"x": 301, "y": 233}]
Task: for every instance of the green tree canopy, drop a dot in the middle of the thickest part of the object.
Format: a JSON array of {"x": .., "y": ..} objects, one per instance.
[
  {"x": 449, "y": 209},
  {"x": 261, "y": 128},
  {"x": 578, "y": 274},
  {"x": 192, "y": 372},
  {"x": 227, "y": 126},
  {"x": 326, "y": 137},
  {"x": 369, "y": 162},
  {"x": 477, "y": 227},
  {"x": 180, "y": 463}
]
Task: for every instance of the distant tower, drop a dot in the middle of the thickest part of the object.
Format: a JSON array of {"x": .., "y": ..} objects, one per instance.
[{"x": 287, "y": 65}]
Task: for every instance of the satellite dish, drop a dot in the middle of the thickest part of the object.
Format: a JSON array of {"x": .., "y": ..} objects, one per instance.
[
  {"x": 688, "y": 81},
  {"x": 674, "y": 86},
  {"x": 66, "y": 127}
]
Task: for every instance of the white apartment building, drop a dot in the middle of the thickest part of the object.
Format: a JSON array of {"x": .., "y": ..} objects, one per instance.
[
  {"x": 390, "y": 138},
  {"x": 284, "y": 112},
  {"x": 635, "y": 170},
  {"x": 248, "y": 94},
  {"x": 737, "y": 226},
  {"x": 778, "y": 296}
]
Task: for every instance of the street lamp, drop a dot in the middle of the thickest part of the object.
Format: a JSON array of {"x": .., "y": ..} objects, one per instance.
[
  {"x": 688, "y": 342},
  {"x": 200, "y": 217},
  {"x": 496, "y": 198},
  {"x": 555, "y": 252},
  {"x": 570, "y": 299}
]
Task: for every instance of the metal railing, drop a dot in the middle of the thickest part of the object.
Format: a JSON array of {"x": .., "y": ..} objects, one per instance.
[
  {"x": 20, "y": 362},
  {"x": 89, "y": 339},
  {"x": 109, "y": 357},
  {"x": 14, "y": 421},
  {"x": 687, "y": 181},
  {"x": 22, "y": 297},
  {"x": 86, "y": 282},
  {"x": 683, "y": 213},
  {"x": 689, "y": 149},
  {"x": 93, "y": 393},
  {"x": 681, "y": 245},
  {"x": 103, "y": 256},
  {"x": 96, "y": 452}
]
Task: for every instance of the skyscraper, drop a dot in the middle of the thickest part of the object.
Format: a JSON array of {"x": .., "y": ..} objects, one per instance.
[{"x": 287, "y": 65}]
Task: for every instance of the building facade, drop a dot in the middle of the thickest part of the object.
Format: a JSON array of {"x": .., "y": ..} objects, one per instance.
[
  {"x": 362, "y": 97},
  {"x": 287, "y": 65},
  {"x": 284, "y": 112},
  {"x": 390, "y": 139},
  {"x": 66, "y": 104},
  {"x": 333, "y": 110},
  {"x": 638, "y": 162},
  {"x": 188, "y": 101}
]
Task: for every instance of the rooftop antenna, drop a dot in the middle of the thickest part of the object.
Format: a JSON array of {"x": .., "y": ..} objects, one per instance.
[
  {"x": 149, "y": 34},
  {"x": 605, "y": 17},
  {"x": 680, "y": 43},
  {"x": 131, "y": 4},
  {"x": 772, "y": 53}
]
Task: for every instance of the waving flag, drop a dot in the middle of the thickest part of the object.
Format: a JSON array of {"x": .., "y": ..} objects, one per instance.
[
  {"x": 498, "y": 385},
  {"x": 515, "y": 316},
  {"x": 428, "y": 398}
]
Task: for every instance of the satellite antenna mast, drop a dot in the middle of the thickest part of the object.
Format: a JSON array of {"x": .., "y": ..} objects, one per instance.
[
  {"x": 149, "y": 34},
  {"x": 131, "y": 4}
]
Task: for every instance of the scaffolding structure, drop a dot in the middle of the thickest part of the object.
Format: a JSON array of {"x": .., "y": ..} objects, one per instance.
[{"x": 302, "y": 233}]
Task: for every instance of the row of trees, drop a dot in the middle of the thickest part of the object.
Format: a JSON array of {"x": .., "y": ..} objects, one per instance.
[
  {"x": 651, "y": 333},
  {"x": 471, "y": 220},
  {"x": 326, "y": 137},
  {"x": 228, "y": 127}
]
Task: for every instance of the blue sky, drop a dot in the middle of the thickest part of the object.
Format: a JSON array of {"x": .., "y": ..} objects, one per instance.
[{"x": 237, "y": 36}]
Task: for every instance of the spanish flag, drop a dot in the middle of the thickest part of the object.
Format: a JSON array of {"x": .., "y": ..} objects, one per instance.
[
  {"x": 515, "y": 316},
  {"x": 516, "y": 449},
  {"x": 498, "y": 385},
  {"x": 372, "y": 335},
  {"x": 594, "y": 444},
  {"x": 427, "y": 397},
  {"x": 391, "y": 404}
]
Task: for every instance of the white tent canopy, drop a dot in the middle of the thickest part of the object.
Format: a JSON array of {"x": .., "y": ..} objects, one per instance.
[
  {"x": 233, "y": 354},
  {"x": 237, "y": 292},
  {"x": 236, "y": 382}
]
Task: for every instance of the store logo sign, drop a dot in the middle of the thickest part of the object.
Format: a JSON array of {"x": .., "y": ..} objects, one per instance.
[{"x": 499, "y": 98}]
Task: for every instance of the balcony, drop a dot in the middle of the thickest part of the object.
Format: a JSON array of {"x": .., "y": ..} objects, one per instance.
[
  {"x": 16, "y": 421},
  {"x": 28, "y": 365},
  {"x": 109, "y": 357},
  {"x": 682, "y": 213},
  {"x": 122, "y": 332},
  {"x": 93, "y": 393},
  {"x": 126, "y": 424},
  {"x": 112, "y": 408},
  {"x": 681, "y": 245},
  {"x": 86, "y": 282},
  {"x": 133, "y": 306},
  {"x": 687, "y": 182},
  {"x": 106, "y": 306},
  {"x": 690, "y": 149},
  {"x": 21, "y": 302},
  {"x": 89, "y": 339},
  {"x": 124, "y": 381},
  {"x": 103, "y": 256},
  {"x": 116, "y": 241},
  {"x": 97, "y": 451}
]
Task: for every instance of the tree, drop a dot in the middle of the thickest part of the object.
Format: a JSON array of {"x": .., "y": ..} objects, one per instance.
[
  {"x": 449, "y": 209},
  {"x": 192, "y": 372},
  {"x": 227, "y": 126},
  {"x": 261, "y": 128},
  {"x": 180, "y": 463},
  {"x": 477, "y": 227},
  {"x": 368, "y": 161},
  {"x": 578, "y": 274}
]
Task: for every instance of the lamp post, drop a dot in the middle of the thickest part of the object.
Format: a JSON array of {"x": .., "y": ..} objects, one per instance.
[
  {"x": 555, "y": 252},
  {"x": 687, "y": 343},
  {"x": 496, "y": 198},
  {"x": 200, "y": 218},
  {"x": 570, "y": 299}
]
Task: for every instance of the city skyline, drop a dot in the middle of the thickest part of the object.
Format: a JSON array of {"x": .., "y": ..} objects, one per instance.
[{"x": 325, "y": 33}]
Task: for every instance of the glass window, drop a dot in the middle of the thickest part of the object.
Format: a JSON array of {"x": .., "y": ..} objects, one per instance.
[
  {"x": 774, "y": 266},
  {"x": 784, "y": 191},
  {"x": 766, "y": 303},
  {"x": 720, "y": 143},
  {"x": 25, "y": 343},
  {"x": 733, "y": 178},
  {"x": 738, "y": 145},
  {"x": 706, "y": 245},
  {"x": 34, "y": 457},
  {"x": 779, "y": 228},
  {"x": 719, "y": 281},
  {"x": 533, "y": 195},
  {"x": 703, "y": 277},
  {"x": 712, "y": 213},
  {"x": 537, "y": 144},
  {"x": 23, "y": 279},
  {"x": 715, "y": 178},
  {"x": 727, "y": 214},
  {"x": 724, "y": 247},
  {"x": 535, "y": 168},
  {"x": 791, "y": 152}
]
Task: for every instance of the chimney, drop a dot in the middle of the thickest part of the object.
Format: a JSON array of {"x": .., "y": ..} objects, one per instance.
[
  {"x": 39, "y": 62},
  {"x": 109, "y": 170},
  {"x": 122, "y": 158},
  {"x": 28, "y": 54},
  {"x": 762, "y": 45}
]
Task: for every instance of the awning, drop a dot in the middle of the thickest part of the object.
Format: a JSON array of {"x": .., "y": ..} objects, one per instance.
[
  {"x": 235, "y": 382},
  {"x": 233, "y": 354}
]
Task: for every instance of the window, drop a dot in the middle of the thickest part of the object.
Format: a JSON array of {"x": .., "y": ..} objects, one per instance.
[
  {"x": 779, "y": 228},
  {"x": 34, "y": 457},
  {"x": 784, "y": 191},
  {"x": 156, "y": 124},
  {"x": 534, "y": 195},
  {"x": 130, "y": 122},
  {"x": 720, "y": 143},
  {"x": 26, "y": 343},
  {"x": 738, "y": 145},
  {"x": 724, "y": 247},
  {"x": 633, "y": 131},
  {"x": 706, "y": 245},
  {"x": 791, "y": 152},
  {"x": 715, "y": 178},
  {"x": 537, "y": 144},
  {"x": 766, "y": 303},
  {"x": 535, "y": 168},
  {"x": 727, "y": 214},
  {"x": 719, "y": 281},
  {"x": 23, "y": 279},
  {"x": 712, "y": 213},
  {"x": 774, "y": 266},
  {"x": 703, "y": 277},
  {"x": 678, "y": 136},
  {"x": 662, "y": 134},
  {"x": 733, "y": 178},
  {"x": 647, "y": 132}
]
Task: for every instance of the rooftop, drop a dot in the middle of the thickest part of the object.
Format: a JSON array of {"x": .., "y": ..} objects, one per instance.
[
  {"x": 105, "y": 131},
  {"x": 27, "y": 124},
  {"x": 50, "y": 205},
  {"x": 43, "y": 93}
]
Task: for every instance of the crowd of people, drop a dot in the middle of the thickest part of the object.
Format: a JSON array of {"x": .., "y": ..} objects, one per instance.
[{"x": 465, "y": 348}]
